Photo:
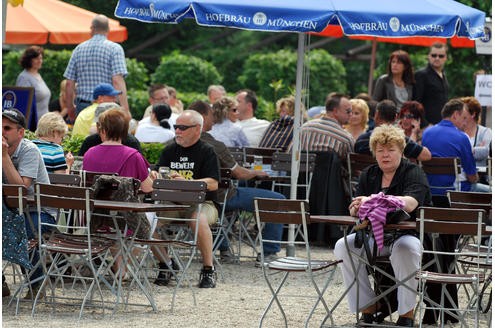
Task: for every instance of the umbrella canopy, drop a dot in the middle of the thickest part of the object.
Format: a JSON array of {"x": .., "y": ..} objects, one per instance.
[
  {"x": 382, "y": 18},
  {"x": 53, "y": 21}
]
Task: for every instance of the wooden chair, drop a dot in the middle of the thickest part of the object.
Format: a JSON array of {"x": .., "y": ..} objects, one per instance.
[
  {"x": 79, "y": 252},
  {"x": 238, "y": 154},
  {"x": 443, "y": 166},
  {"x": 291, "y": 212},
  {"x": 436, "y": 222},
  {"x": 182, "y": 243},
  {"x": 355, "y": 164},
  {"x": 15, "y": 197},
  {"x": 265, "y": 153}
]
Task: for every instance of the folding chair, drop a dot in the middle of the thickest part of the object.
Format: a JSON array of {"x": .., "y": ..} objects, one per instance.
[
  {"x": 291, "y": 212},
  {"x": 223, "y": 228},
  {"x": 238, "y": 154},
  {"x": 438, "y": 221},
  {"x": 443, "y": 166},
  {"x": 75, "y": 251},
  {"x": 177, "y": 237},
  {"x": 476, "y": 200},
  {"x": 282, "y": 162},
  {"x": 355, "y": 164},
  {"x": 265, "y": 153},
  {"x": 15, "y": 197}
]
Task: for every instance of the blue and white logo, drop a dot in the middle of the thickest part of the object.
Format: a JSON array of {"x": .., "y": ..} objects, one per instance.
[
  {"x": 488, "y": 35},
  {"x": 394, "y": 24},
  {"x": 9, "y": 99},
  {"x": 259, "y": 19}
]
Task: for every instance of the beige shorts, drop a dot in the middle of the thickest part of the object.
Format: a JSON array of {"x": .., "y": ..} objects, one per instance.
[{"x": 208, "y": 209}]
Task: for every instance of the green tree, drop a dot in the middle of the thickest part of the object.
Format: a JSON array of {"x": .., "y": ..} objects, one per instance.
[{"x": 186, "y": 73}]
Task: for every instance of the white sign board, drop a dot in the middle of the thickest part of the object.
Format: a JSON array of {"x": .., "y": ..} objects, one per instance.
[
  {"x": 483, "y": 89},
  {"x": 484, "y": 44}
]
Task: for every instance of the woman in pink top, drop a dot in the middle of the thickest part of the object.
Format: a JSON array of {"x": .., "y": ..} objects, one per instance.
[{"x": 112, "y": 156}]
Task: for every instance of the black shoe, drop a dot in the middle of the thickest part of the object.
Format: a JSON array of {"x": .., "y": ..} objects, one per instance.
[
  {"x": 163, "y": 277},
  {"x": 369, "y": 318},
  {"x": 5, "y": 289},
  {"x": 405, "y": 322},
  {"x": 207, "y": 278}
]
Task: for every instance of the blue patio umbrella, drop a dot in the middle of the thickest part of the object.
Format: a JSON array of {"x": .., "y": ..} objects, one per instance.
[{"x": 379, "y": 18}]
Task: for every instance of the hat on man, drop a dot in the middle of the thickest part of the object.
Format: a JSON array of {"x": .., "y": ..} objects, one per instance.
[
  {"x": 14, "y": 115},
  {"x": 105, "y": 89}
]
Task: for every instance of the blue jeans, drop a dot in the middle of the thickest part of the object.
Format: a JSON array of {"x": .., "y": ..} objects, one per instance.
[
  {"x": 35, "y": 256},
  {"x": 243, "y": 200},
  {"x": 479, "y": 187}
]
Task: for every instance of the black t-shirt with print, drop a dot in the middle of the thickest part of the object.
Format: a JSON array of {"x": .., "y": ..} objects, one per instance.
[{"x": 196, "y": 162}]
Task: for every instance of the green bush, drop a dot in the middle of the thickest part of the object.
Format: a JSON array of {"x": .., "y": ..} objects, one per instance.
[
  {"x": 152, "y": 151},
  {"x": 138, "y": 102},
  {"x": 186, "y": 73},
  {"x": 73, "y": 143},
  {"x": 273, "y": 75},
  {"x": 52, "y": 71},
  {"x": 138, "y": 75}
]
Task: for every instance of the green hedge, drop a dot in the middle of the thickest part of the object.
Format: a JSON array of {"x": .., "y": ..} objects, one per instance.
[{"x": 273, "y": 75}]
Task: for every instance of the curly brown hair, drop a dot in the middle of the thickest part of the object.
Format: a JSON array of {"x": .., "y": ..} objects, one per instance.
[{"x": 28, "y": 55}]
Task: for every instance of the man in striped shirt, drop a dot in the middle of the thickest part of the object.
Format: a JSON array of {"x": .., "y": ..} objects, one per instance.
[{"x": 326, "y": 134}]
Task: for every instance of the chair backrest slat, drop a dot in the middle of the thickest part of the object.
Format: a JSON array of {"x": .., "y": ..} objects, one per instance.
[
  {"x": 65, "y": 197},
  {"x": 179, "y": 191},
  {"x": 265, "y": 153},
  {"x": 15, "y": 196},
  {"x": 65, "y": 179},
  {"x": 282, "y": 210},
  {"x": 283, "y": 162},
  {"x": 441, "y": 165},
  {"x": 450, "y": 221}
]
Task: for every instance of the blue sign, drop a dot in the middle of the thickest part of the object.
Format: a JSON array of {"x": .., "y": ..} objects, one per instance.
[{"x": 21, "y": 98}]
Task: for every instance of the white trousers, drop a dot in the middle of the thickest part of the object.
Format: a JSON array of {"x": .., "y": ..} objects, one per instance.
[{"x": 405, "y": 257}]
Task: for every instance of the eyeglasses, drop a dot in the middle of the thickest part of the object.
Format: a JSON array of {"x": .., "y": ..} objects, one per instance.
[
  {"x": 183, "y": 127},
  {"x": 437, "y": 55},
  {"x": 408, "y": 116},
  {"x": 348, "y": 110}
]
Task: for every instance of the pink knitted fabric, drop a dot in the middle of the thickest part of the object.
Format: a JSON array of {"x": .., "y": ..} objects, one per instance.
[{"x": 376, "y": 209}]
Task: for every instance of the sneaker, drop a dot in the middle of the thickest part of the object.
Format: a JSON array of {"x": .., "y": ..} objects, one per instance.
[
  {"x": 227, "y": 257},
  {"x": 207, "y": 278},
  {"x": 5, "y": 289},
  {"x": 268, "y": 258}
]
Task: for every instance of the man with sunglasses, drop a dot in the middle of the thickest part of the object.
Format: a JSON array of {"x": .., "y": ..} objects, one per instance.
[
  {"x": 189, "y": 158},
  {"x": 431, "y": 87},
  {"x": 23, "y": 164}
]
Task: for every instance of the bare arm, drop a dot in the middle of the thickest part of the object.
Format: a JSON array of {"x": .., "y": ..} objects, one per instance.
[
  {"x": 70, "y": 90},
  {"x": 425, "y": 155},
  {"x": 11, "y": 174},
  {"x": 119, "y": 84},
  {"x": 242, "y": 173}
]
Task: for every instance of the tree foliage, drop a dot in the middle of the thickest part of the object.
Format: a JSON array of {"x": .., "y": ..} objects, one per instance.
[
  {"x": 273, "y": 75},
  {"x": 186, "y": 73}
]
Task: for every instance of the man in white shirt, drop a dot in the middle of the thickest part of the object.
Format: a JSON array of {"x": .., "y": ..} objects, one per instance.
[{"x": 252, "y": 127}]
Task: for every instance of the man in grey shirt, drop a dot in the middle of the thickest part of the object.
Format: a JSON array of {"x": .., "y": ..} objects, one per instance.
[{"x": 23, "y": 164}]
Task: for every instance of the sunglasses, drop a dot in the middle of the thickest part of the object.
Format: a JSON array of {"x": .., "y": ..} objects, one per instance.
[
  {"x": 409, "y": 116},
  {"x": 183, "y": 127},
  {"x": 437, "y": 55},
  {"x": 348, "y": 110}
]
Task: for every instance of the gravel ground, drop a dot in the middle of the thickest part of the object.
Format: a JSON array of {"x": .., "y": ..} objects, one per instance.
[{"x": 237, "y": 301}]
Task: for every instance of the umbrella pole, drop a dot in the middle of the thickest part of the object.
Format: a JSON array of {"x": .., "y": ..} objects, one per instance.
[
  {"x": 372, "y": 67},
  {"x": 296, "y": 147}
]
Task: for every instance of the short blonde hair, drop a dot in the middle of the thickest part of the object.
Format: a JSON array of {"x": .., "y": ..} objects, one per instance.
[
  {"x": 290, "y": 104},
  {"x": 50, "y": 123},
  {"x": 363, "y": 108},
  {"x": 387, "y": 135},
  {"x": 221, "y": 108}
]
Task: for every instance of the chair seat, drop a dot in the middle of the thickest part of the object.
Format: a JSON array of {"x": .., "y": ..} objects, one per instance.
[
  {"x": 165, "y": 242},
  {"x": 472, "y": 261},
  {"x": 445, "y": 278},
  {"x": 299, "y": 264},
  {"x": 74, "y": 244}
]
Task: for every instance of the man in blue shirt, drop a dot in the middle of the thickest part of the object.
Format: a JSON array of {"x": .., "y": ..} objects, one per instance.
[
  {"x": 445, "y": 139},
  {"x": 95, "y": 61}
]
